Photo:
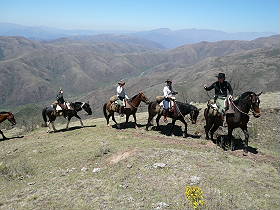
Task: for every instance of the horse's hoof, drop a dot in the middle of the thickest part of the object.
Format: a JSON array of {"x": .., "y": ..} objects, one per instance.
[{"x": 108, "y": 125}]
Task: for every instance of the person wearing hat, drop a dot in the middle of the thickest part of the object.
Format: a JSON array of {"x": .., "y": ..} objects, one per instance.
[
  {"x": 222, "y": 87},
  {"x": 121, "y": 95},
  {"x": 168, "y": 94}
]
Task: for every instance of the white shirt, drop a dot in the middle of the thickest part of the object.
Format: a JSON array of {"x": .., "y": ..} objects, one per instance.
[
  {"x": 121, "y": 92},
  {"x": 167, "y": 91}
]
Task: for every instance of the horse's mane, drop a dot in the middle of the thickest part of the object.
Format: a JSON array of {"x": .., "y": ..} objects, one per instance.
[
  {"x": 244, "y": 95},
  {"x": 4, "y": 112},
  {"x": 134, "y": 97},
  {"x": 186, "y": 104}
]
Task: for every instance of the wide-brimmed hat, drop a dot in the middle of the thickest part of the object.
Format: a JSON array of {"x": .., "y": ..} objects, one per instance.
[
  {"x": 168, "y": 80},
  {"x": 122, "y": 82},
  {"x": 221, "y": 75}
]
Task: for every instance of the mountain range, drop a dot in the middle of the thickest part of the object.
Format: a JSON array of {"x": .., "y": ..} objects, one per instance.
[
  {"x": 163, "y": 36},
  {"x": 32, "y": 71}
]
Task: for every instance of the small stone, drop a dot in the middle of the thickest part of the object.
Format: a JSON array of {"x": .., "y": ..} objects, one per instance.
[
  {"x": 159, "y": 165},
  {"x": 162, "y": 205},
  {"x": 31, "y": 183},
  {"x": 129, "y": 166},
  {"x": 96, "y": 170},
  {"x": 84, "y": 169},
  {"x": 195, "y": 180}
]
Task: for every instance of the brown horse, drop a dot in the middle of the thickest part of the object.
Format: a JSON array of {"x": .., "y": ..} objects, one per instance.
[
  {"x": 239, "y": 119},
  {"x": 179, "y": 113},
  {"x": 130, "y": 109},
  {"x": 7, "y": 116}
]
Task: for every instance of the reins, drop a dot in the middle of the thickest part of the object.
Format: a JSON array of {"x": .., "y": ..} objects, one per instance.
[{"x": 238, "y": 108}]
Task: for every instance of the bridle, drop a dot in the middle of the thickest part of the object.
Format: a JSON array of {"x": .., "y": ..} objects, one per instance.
[{"x": 251, "y": 108}]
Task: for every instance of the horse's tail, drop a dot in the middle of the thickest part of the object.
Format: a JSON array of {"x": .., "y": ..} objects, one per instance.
[
  {"x": 44, "y": 115},
  {"x": 105, "y": 111}
]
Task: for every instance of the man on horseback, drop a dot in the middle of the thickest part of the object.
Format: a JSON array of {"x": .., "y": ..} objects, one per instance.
[
  {"x": 122, "y": 97},
  {"x": 222, "y": 87},
  {"x": 169, "y": 95},
  {"x": 61, "y": 105}
]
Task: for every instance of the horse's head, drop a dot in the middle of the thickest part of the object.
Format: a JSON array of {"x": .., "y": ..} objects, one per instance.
[
  {"x": 86, "y": 107},
  {"x": 11, "y": 118},
  {"x": 255, "y": 104},
  {"x": 194, "y": 114},
  {"x": 144, "y": 98}
]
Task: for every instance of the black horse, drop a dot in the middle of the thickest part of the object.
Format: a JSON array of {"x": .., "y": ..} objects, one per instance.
[
  {"x": 179, "y": 113},
  {"x": 51, "y": 113},
  {"x": 239, "y": 119}
]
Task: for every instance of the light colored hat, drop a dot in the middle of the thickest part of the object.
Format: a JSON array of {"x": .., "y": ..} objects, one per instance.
[{"x": 122, "y": 82}]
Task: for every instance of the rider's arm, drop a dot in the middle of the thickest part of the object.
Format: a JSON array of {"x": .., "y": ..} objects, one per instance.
[
  {"x": 229, "y": 89},
  {"x": 210, "y": 87}
]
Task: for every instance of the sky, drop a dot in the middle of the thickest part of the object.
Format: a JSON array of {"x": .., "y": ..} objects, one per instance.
[{"x": 137, "y": 15}]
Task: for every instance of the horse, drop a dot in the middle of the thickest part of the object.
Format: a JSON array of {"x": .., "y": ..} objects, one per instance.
[
  {"x": 239, "y": 119},
  {"x": 130, "y": 109},
  {"x": 51, "y": 113},
  {"x": 6, "y": 116},
  {"x": 180, "y": 111}
]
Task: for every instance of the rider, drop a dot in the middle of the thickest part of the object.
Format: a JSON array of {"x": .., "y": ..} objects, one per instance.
[
  {"x": 168, "y": 94},
  {"x": 121, "y": 96},
  {"x": 222, "y": 87},
  {"x": 61, "y": 105}
]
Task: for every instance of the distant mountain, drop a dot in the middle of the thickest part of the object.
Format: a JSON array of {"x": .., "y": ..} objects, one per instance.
[
  {"x": 164, "y": 37},
  {"x": 172, "y": 39}
]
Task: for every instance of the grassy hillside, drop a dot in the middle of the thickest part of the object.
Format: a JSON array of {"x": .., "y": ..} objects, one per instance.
[{"x": 59, "y": 170}]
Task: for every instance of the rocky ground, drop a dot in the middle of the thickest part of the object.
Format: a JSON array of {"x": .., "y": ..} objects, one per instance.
[{"x": 100, "y": 167}]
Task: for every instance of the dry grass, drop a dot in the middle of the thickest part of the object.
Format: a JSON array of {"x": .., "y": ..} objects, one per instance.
[{"x": 43, "y": 171}]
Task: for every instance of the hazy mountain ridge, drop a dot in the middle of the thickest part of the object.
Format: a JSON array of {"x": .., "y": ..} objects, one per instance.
[
  {"x": 33, "y": 72},
  {"x": 163, "y": 36}
]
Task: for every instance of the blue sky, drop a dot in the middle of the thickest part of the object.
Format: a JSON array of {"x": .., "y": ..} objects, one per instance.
[{"x": 226, "y": 15}]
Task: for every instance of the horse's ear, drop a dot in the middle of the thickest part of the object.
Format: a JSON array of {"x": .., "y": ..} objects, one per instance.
[
  {"x": 87, "y": 102},
  {"x": 259, "y": 93}
]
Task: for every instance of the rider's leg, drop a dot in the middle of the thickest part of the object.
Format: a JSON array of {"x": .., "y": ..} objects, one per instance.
[{"x": 165, "y": 109}]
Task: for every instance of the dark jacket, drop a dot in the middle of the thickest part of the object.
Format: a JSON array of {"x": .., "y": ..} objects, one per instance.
[
  {"x": 220, "y": 89},
  {"x": 60, "y": 98}
]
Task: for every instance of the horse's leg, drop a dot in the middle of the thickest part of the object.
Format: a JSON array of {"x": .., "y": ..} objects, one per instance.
[
  {"x": 246, "y": 133},
  {"x": 126, "y": 119},
  {"x": 134, "y": 116},
  {"x": 208, "y": 126},
  {"x": 113, "y": 118},
  {"x": 150, "y": 118},
  {"x": 186, "y": 127},
  {"x": 213, "y": 130},
  {"x": 4, "y": 137},
  {"x": 77, "y": 116},
  {"x": 53, "y": 127},
  {"x": 172, "y": 127},
  {"x": 231, "y": 139},
  {"x": 157, "y": 120},
  {"x": 68, "y": 122}
]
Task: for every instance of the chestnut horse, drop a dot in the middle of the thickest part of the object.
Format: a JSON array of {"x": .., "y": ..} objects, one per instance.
[
  {"x": 7, "y": 116},
  {"x": 130, "y": 109},
  {"x": 239, "y": 119}
]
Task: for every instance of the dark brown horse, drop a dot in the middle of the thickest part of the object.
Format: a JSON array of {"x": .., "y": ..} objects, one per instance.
[
  {"x": 130, "y": 109},
  {"x": 179, "y": 113},
  {"x": 7, "y": 116},
  {"x": 239, "y": 119}
]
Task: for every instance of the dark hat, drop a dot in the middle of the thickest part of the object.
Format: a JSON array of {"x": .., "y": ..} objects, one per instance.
[
  {"x": 221, "y": 75},
  {"x": 122, "y": 82},
  {"x": 168, "y": 80}
]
